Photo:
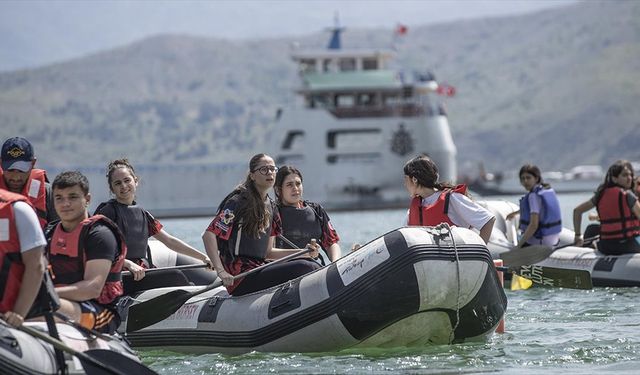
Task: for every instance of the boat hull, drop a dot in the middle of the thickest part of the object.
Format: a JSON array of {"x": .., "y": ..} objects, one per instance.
[
  {"x": 21, "y": 353},
  {"x": 409, "y": 287}
]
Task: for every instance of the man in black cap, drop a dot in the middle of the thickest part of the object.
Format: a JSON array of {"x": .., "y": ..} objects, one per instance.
[{"x": 18, "y": 175}]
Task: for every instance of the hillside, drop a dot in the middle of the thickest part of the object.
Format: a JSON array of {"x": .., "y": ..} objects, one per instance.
[{"x": 558, "y": 88}]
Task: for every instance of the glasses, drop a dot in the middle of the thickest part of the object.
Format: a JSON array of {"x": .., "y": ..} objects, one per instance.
[{"x": 266, "y": 169}]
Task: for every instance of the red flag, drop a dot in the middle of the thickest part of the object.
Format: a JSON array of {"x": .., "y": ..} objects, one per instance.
[
  {"x": 446, "y": 90},
  {"x": 401, "y": 29}
]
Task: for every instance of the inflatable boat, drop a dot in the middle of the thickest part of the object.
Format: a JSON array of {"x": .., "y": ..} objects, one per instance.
[
  {"x": 606, "y": 270},
  {"x": 22, "y": 353},
  {"x": 411, "y": 286}
]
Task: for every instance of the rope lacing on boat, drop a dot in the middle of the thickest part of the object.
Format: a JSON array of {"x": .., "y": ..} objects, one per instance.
[{"x": 442, "y": 230}]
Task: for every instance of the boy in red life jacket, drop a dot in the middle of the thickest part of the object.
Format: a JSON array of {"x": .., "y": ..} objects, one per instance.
[
  {"x": 437, "y": 202},
  {"x": 21, "y": 257},
  {"x": 18, "y": 175},
  {"x": 86, "y": 255}
]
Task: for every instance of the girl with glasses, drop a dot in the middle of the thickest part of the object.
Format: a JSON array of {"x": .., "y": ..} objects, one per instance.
[
  {"x": 303, "y": 220},
  {"x": 242, "y": 234}
]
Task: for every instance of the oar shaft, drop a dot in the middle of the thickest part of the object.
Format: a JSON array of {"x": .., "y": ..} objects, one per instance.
[
  {"x": 159, "y": 269},
  {"x": 62, "y": 346}
]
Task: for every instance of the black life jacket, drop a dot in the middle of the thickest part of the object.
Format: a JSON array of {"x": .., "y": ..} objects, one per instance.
[{"x": 133, "y": 222}]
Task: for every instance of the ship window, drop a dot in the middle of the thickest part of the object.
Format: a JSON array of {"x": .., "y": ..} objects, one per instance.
[
  {"x": 344, "y": 100},
  {"x": 369, "y": 64},
  {"x": 366, "y": 99},
  {"x": 326, "y": 65},
  {"x": 307, "y": 65},
  {"x": 292, "y": 137},
  {"x": 347, "y": 64},
  {"x": 354, "y": 138},
  {"x": 318, "y": 101}
]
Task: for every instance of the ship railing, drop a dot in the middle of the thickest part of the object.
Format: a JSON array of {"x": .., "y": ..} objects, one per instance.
[{"x": 403, "y": 110}]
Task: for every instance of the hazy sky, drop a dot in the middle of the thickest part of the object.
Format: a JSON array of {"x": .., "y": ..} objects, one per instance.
[{"x": 36, "y": 32}]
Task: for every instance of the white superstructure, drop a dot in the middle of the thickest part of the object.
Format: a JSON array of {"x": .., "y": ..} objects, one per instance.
[{"x": 356, "y": 122}]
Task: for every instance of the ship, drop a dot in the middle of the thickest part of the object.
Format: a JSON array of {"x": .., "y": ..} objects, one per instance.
[{"x": 355, "y": 120}]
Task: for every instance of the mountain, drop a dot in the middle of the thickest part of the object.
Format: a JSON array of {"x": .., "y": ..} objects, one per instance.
[{"x": 557, "y": 88}]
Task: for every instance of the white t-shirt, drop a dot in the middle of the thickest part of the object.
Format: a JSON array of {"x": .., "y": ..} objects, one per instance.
[
  {"x": 463, "y": 212},
  {"x": 28, "y": 226}
]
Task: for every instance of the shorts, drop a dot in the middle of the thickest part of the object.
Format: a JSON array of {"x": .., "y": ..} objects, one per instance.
[{"x": 102, "y": 318}]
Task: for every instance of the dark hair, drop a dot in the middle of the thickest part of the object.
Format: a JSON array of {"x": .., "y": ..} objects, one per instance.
[
  {"x": 614, "y": 171},
  {"x": 284, "y": 172},
  {"x": 70, "y": 179},
  {"x": 251, "y": 210},
  {"x": 535, "y": 172},
  {"x": 119, "y": 163},
  {"x": 426, "y": 172}
]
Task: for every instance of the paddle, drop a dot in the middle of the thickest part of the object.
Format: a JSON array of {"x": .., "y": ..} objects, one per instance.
[
  {"x": 555, "y": 277},
  {"x": 93, "y": 360},
  {"x": 585, "y": 241},
  {"x": 518, "y": 257},
  {"x": 159, "y": 269},
  {"x": 152, "y": 311}
]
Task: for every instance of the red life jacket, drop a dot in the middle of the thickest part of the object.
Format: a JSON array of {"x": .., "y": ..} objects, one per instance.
[
  {"x": 11, "y": 266},
  {"x": 35, "y": 192},
  {"x": 437, "y": 212},
  {"x": 67, "y": 257},
  {"x": 617, "y": 220}
]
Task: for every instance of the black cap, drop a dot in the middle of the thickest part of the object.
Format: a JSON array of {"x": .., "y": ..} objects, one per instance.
[{"x": 17, "y": 153}]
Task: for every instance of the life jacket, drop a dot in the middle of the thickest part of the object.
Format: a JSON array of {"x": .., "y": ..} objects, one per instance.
[
  {"x": 11, "y": 266},
  {"x": 67, "y": 256},
  {"x": 246, "y": 245},
  {"x": 299, "y": 225},
  {"x": 550, "y": 221},
  {"x": 435, "y": 213},
  {"x": 35, "y": 191},
  {"x": 617, "y": 220},
  {"x": 133, "y": 224}
]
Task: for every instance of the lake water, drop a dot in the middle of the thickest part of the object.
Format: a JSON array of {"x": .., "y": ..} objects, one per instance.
[{"x": 547, "y": 330}]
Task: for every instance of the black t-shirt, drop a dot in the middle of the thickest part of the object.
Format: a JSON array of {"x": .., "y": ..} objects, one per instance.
[{"x": 100, "y": 243}]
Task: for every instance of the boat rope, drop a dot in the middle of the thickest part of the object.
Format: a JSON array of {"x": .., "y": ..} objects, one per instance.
[{"x": 445, "y": 229}]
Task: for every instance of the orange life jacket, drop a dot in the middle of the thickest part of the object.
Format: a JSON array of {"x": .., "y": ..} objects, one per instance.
[
  {"x": 617, "y": 220},
  {"x": 35, "y": 191},
  {"x": 67, "y": 256},
  {"x": 11, "y": 266},
  {"x": 435, "y": 213}
]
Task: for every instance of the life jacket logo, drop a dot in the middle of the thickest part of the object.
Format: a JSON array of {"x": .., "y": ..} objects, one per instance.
[
  {"x": 402, "y": 142},
  {"x": 16, "y": 152}
]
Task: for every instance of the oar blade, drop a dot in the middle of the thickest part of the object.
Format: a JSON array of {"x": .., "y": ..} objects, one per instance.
[
  {"x": 556, "y": 277},
  {"x": 150, "y": 312},
  {"x": 525, "y": 256},
  {"x": 123, "y": 363}
]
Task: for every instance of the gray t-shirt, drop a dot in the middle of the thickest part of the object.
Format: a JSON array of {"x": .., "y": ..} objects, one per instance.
[{"x": 28, "y": 226}]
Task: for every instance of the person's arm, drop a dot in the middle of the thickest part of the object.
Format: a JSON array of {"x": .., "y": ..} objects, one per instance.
[
  {"x": 34, "y": 268},
  {"x": 636, "y": 209},
  {"x": 181, "y": 247},
  {"x": 512, "y": 215},
  {"x": 334, "y": 252},
  {"x": 487, "y": 228},
  {"x": 95, "y": 275},
  {"x": 277, "y": 253},
  {"x": 577, "y": 220},
  {"x": 211, "y": 247},
  {"x": 534, "y": 221},
  {"x": 137, "y": 271}
]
